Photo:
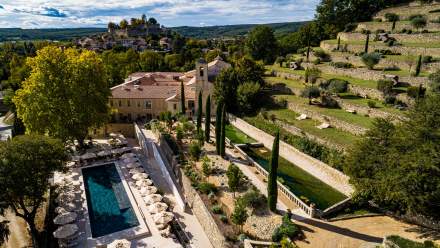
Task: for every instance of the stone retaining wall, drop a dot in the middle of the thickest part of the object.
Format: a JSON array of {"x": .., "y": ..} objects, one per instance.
[
  {"x": 364, "y": 110},
  {"x": 205, "y": 218},
  {"x": 318, "y": 169},
  {"x": 365, "y": 92},
  {"x": 423, "y": 38},
  {"x": 355, "y": 48},
  {"x": 334, "y": 122},
  {"x": 403, "y": 65},
  {"x": 373, "y": 26},
  {"x": 405, "y": 11}
]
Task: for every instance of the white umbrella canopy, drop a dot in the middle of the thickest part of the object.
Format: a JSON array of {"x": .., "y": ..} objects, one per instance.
[
  {"x": 139, "y": 176},
  {"x": 148, "y": 190},
  {"x": 133, "y": 165},
  {"x": 65, "y": 218},
  {"x": 144, "y": 183},
  {"x": 88, "y": 155},
  {"x": 65, "y": 231},
  {"x": 104, "y": 153},
  {"x": 136, "y": 170},
  {"x": 150, "y": 199},
  {"x": 128, "y": 155},
  {"x": 130, "y": 160},
  {"x": 163, "y": 217},
  {"x": 157, "y": 207},
  {"x": 113, "y": 135},
  {"x": 120, "y": 243}
]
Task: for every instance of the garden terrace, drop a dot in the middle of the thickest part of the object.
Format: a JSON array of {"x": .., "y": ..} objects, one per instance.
[
  {"x": 331, "y": 135},
  {"x": 236, "y": 136},
  {"x": 424, "y": 38},
  {"x": 405, "y": 11},
  {"x": 302, "y": 184}
]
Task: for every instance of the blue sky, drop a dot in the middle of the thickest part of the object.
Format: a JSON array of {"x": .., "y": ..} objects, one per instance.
[{"x": 94, "y": 13}]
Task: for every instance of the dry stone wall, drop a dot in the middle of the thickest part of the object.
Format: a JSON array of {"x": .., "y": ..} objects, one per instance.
[
  {"x": 406, "y": 11},
  {"x": 373, "y": 26},
  {"x": 345, "y": 126},
  {"x": 423, "y": 38},
  {"x": 367, "y": 111},
  {"x": 424, "y": 51},
  {"x": 365, "y": 92}
]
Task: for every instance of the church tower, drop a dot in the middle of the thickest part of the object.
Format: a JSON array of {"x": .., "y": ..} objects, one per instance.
[{"x": 202, "y": 83}]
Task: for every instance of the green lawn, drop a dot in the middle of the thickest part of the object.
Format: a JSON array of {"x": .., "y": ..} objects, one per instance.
[
  {"x": 335, "y": 135},
  {"x": 350, "y": 98},
  {"x": 299, "y": 181},
  {"x": 236, "y": 136},
  {"x": 406, "y": 243},
  {"x": 294, "y": 84},
  {"x": 380, "y": 43},
  {"x": 341, "y": 114}
]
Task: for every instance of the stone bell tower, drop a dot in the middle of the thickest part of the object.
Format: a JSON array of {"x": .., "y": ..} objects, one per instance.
[{"x": 202, "y": 83}]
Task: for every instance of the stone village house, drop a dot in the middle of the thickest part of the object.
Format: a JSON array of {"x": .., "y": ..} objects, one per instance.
[{"x": 144, "y": 95}]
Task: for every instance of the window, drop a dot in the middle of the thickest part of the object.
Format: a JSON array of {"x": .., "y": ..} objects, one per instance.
[
  {"x": 201, "y": 71},
  {"x": 128, "y": 103},
  {"x": 129, "y": 116},
  {"x": 120, "y": 103},
  {"x": 174, "y": 106},
  {"x": 191, "y": 104},
  {"x": 139, "y": 104},
  {"x": 147, "y": 104}
]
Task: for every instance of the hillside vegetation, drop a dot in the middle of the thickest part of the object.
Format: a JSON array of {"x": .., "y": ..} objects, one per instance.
[{"x": 7, "y": 34}]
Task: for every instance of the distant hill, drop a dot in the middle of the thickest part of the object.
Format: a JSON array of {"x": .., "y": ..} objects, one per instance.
[
  {"x": 63, "y": 34},
  {"x": 234, "y": 30}
]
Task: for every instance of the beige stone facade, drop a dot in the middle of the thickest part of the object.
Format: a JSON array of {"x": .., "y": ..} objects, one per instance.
[{"x": 144, "y": 95}]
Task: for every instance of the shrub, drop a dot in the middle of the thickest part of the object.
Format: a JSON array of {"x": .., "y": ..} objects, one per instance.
[
  {"x": 371, "y": 104},
  {"x": 349, "y": 27},
  {"x": 195, "y": 150},
  {"x": 427, "y": 59},
  {"x": 217, "y": 209},
  {"x": 391, "y": 17},
  {"x": 371, "y": 59},
  {"x": 286, "y": 229},
  {"x": 311, "y": 92},
  {"x": 390, "y": 100},
  {"x": 254, "y": 199},
  {"x": 312, "y": 74},
  {"x": 224, "y": 218},
  {"x": 419, "y": 22},
  {"x": 415, "y": 16},
  {"x": 386, "y": 52},
  {"x": 341, "y": 65},
  {"x": 317, "y": 61},
  {"x": 321, "y": 54},
  {"x": 416, "y": 92},
  {"x": 337, "y": 85},
  {"x": 179, "y": 133},
  {"x": 171, "y": 143},
  {"x": 207, "y": 188},
  {"x": 385, "y": 86},
  {"x": 328, "y": 101}
]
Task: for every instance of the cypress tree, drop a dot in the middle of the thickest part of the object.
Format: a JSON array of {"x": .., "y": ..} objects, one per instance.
[
  {"x": 182, "y": 99},
  {"x": 218, "y": 123},
  {"x": 339, "y": 44},
  {"x": 272, "y": 188},
  {"x": 222, "y": 132},
  {"x": 418, "y": 66},
  {"x": 366, "y": 42},
  {"x": 208, "y": 118},
  {"x": 199, "y": 112},
  {"x": 394, "y": 25}
]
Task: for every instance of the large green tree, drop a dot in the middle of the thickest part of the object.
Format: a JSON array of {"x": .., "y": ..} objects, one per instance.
[
  {"x": 406, "y": 175},
  {"x": 272, "y": 187},
  {"x": 26, "y": 164},
  {"x": 262, "y": 45},
  {"x": 65, "y": 95}
]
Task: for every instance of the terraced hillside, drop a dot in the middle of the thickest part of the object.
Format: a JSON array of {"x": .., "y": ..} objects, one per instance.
[{"x": 351, "y": 94}]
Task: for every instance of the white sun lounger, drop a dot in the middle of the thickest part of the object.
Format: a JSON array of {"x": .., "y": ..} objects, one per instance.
[
  {"x": 324, "y": 126},
  {"x": 301, "y": 117}
]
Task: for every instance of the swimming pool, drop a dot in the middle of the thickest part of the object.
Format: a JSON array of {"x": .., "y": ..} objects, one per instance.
[{"x": 107, "y": 201}]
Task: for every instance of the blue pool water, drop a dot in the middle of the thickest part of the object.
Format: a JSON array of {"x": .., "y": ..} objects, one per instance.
[{"x": 107, "y": 201}]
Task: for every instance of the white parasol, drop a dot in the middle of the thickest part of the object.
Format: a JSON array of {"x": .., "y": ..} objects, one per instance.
[
  {"x": 139, "y": 176},
  {"x": 150, "y": 199},
  {"x": 128, "y": 155},
  {"x": 113, "y": 135},
  {"x": 119, "y": 243},
  {"x": 65, "y": 231},
  {"x": 144, "y": 183},
  {"x": 163, "y": 217},
  {"x": 148, "y": 190},
  {"x": 157, "y": 207},
  {"x": 136, "y": 170},
  {"x": 130, "y": 160},
  {"x": 65, "y": 218},
  {"x": 133, "y": 165},
  {"x": 104, "y": 153}
]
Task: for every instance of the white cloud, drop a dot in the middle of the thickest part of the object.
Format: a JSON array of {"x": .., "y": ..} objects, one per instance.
[{"x": 87, "y": 13}]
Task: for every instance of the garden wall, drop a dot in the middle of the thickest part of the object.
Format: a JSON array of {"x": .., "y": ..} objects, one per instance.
[
  {"x": 345, "y": 126},
  {"x": 405, "y": 11},
  {"x": 355, "y": 48},
  {"x": 364, "y": 110},
  {"x": 365, "y": 92},
  {"x": 318, "y": 169},
  {"x": 373, "y": 26}
]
